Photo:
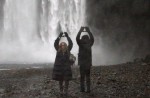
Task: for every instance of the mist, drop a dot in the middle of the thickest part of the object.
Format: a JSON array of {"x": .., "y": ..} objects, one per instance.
[{"x": 28, "y": 29}]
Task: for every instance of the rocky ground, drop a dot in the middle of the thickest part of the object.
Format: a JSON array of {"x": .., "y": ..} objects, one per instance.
[{"x": 116, "y": 81}]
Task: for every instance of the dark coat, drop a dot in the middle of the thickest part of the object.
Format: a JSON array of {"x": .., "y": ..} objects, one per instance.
[
  {"x": 85, "y": 51},
  {"x": 62, "y": 67}
]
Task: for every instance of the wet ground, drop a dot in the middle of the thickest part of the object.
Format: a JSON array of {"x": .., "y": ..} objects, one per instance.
[{"x": 115, "y": 81}]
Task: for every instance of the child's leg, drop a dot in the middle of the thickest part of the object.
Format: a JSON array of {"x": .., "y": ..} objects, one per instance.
[
  {"x": 66, "y": 87},
  {"x": 61, "y": 86}
]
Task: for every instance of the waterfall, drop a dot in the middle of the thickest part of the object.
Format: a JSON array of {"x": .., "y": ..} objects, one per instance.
[
  {"x": 19, "y": 20},
  {"x": 31, "y": 27},
  {"x": 63, "y": 15}
]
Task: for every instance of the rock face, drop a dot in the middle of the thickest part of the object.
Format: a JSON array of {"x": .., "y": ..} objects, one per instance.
[
  {"x": 116, "y": 81},
  {"x": 147, "y": 59}
]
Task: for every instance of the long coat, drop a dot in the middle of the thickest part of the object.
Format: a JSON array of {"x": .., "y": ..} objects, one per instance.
[
  {"x": 85, "y": 51},
  {"x": 62, "y": 66}
]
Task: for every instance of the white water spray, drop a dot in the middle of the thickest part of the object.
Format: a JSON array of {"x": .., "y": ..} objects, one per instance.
[{"x": 29, "y": 39}]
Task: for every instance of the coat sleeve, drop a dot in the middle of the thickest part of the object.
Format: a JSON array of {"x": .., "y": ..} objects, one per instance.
[
  {"x": 70, "y": 44},
  {"x": 91, "y": 37},
  {"x": 56, "y": 43},
  {"x": 78, "y": 38}
]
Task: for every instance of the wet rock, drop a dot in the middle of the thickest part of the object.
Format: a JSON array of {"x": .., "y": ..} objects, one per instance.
[
  {"x": 106, "y": 82},
  {"x": 147, "y": 59},
  {"x": 2, "y": 90}
]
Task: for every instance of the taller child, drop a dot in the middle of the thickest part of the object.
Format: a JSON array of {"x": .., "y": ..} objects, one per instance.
[{"x": 85, "y": 57}]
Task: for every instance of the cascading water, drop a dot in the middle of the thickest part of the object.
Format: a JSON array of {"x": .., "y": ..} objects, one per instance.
[
  {"x": 62, "y": 15},
  {"x": 19, "y": 20},
  {"x": 31, "y": 26}
]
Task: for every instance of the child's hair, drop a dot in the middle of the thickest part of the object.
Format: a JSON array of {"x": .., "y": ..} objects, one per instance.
[{"x": 60, "y": 45}]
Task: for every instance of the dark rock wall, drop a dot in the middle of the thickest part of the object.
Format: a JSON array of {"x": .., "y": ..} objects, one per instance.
[{"x": 123, "y": 26}]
